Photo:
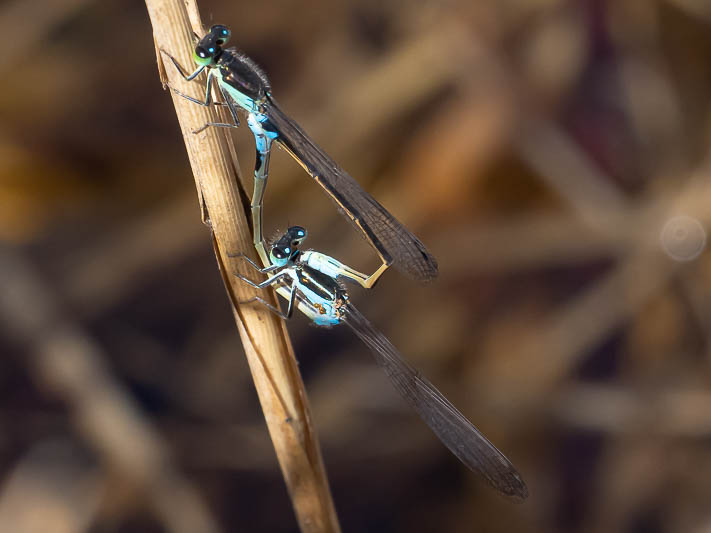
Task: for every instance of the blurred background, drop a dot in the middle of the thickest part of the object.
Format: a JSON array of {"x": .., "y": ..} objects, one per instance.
[{"x": 553, "y": 156}]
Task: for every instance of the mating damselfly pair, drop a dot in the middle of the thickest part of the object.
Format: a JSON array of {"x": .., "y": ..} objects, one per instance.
[{"x": 312, "y": 279}]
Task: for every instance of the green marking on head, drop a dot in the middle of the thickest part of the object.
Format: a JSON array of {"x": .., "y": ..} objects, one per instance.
[{"x": 203, "y": 56}]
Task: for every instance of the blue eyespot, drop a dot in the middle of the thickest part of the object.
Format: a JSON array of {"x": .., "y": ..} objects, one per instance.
[
  {"x": 300, "y": 233},
  {"x": 211, "y": 49},
  {"x": 287, "y": 250},
  {"x": 224, "y": 32}
]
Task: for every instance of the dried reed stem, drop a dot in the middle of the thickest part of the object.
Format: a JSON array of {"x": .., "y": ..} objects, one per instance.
[{"x": 266, "y": 343}]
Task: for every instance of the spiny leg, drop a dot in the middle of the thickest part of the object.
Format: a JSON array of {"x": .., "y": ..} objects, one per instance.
[
  {"x": 187, "y": 77},
  {"x": 208, "y": 97},
  {"x": 208, "y": 94},
  {"x": 233, "y": 112},
  {"x": 208, "y": 100},
  {"x": 230, "y": 104},
  {"x": 266, "y": 304},
  {"x": 264, "y": 284},
  {"x": 207, "y": 103},
  {"x": 289, "y": 311},
  {"x": 255, "y": 265},
  {"x": 215, "y": 124}
]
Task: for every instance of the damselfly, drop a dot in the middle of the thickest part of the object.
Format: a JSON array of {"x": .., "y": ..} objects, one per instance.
[
  {"x": 311, "y": 277},
  {"x": 245, "y": 86}
]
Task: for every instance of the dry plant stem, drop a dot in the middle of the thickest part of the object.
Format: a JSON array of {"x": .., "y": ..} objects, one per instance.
[{"x": 266, "y": 343}]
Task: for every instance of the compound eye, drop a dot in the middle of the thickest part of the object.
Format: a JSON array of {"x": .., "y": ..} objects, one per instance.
[
  {"x": 278, "y": 257},
  {"x": 280, "y": 253},
  {"x": 203, "y": 54},
  {"x": 297, "y": 233},
  {"x": 220, "y": 33}
]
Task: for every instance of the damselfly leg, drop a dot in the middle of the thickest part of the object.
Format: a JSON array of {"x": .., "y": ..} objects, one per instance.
[
  {"x": 285, "y": 315},
  {"x": 277, "y": 278},
  {"x": 208, "y": 101}
]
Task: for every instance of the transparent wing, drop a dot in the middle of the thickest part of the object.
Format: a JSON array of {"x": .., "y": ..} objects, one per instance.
[
  {"x": 451, "y": 427},
  {"x": 395, "y": 243}
]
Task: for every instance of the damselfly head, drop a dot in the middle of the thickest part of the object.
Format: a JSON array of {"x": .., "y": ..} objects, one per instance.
[
  {"x": 209, "y": 48},
  {"x": 286, "y": 248}
]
